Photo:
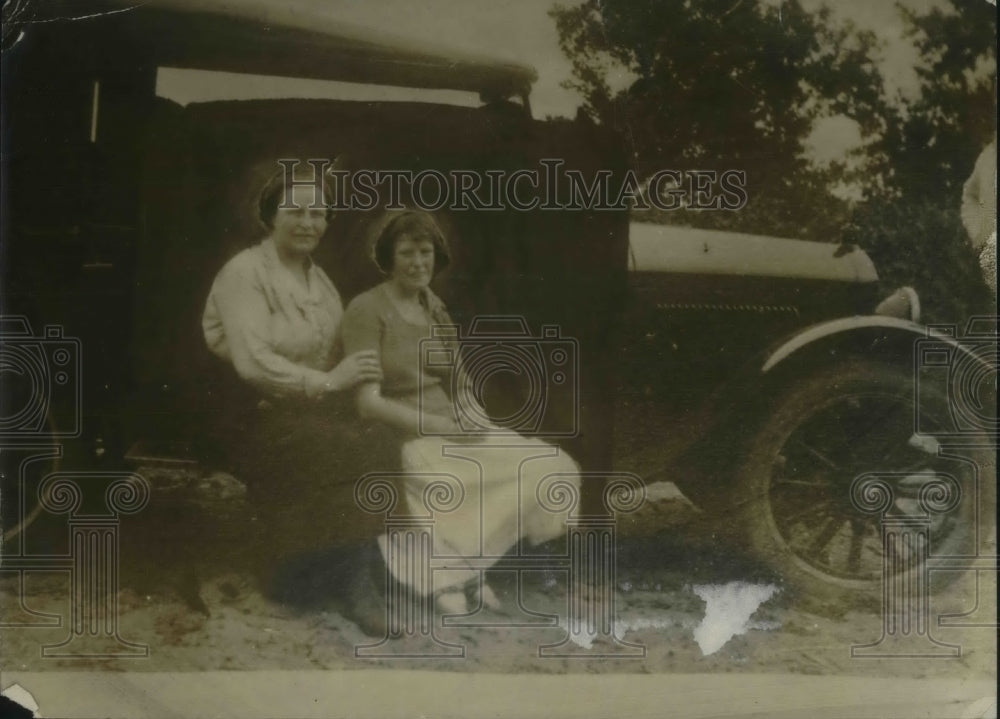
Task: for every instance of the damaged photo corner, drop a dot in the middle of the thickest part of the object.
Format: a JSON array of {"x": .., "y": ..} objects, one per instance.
[{"x": 450, "y": 358}]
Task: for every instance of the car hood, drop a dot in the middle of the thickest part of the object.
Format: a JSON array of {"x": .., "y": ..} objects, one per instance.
[{"x": 686, "y": 250}]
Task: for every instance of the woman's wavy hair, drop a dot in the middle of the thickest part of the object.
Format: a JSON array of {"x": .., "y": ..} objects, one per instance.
[
  {"x": 278, "y": 187},
  {"x": 410, "y": 225}
]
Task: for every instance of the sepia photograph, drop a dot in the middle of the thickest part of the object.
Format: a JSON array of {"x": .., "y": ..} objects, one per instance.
[{"x": 537, "y": 358}]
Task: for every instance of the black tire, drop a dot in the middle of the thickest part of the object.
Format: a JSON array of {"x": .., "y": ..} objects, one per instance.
[{"x": 794, "y": 488}]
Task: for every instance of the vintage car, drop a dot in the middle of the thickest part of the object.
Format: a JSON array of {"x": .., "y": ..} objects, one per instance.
[
  {"x": 788, "y": 378},
  {"x": 778, "y": 371}
]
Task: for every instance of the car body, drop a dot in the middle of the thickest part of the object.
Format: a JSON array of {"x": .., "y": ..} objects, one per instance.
[{"x": 723, "y": 310}]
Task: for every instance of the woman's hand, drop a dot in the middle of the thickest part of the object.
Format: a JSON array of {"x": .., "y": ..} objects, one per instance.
[{"x": 355, "y": 369}]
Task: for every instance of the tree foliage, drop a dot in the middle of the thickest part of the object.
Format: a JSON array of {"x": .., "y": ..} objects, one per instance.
[
  {"x": 930, "y": 143},
  {"x": 909, "y": 219},
  {"x": 727, "y": 84},
  {"x": 922, "y": 245}
]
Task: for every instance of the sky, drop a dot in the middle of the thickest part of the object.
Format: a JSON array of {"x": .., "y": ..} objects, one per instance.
[{"x": 521, "y": 30}]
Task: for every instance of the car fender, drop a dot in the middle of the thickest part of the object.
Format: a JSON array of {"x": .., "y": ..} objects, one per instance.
[
  {"x": 734, "y": 409},
  {"x": 874, "y": 336}
]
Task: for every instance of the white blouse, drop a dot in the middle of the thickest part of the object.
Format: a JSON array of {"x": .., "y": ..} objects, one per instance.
[{"x": 279, "y": 335}]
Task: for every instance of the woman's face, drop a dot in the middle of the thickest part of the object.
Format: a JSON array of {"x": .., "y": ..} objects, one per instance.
[
  {"x": 297, "y": 230},
  {"x": 413, "y": 263}
]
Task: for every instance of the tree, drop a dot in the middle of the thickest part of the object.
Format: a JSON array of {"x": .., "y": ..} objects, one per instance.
[
  {"x": 909, "y": 220},
  {"x": 922, "y": 245},
  {"x": 727, "y": 84},
  {"x": 930, "y": 143}
]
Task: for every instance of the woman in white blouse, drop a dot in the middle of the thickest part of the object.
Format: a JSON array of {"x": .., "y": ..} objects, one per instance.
[{"x": 274, "y": 315}]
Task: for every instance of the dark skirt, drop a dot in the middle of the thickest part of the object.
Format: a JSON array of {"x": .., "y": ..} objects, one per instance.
[{"x": 301, "y": 461}]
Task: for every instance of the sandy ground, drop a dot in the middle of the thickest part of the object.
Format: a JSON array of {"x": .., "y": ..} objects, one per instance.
[{"x": 663, "y": 557}]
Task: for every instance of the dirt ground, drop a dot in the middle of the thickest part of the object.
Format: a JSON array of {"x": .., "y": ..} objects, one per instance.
[{"x": 200, "y": 608}]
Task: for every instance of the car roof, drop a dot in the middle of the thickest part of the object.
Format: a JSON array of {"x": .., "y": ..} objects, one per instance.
[{"x": 296, "y": 38}]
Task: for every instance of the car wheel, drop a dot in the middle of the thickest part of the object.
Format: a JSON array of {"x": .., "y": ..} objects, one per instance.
[{"x": 798, "y": 491}]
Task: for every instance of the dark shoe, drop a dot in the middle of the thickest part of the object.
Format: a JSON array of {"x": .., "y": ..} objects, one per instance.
[
  {"x": 309, "y": 580},
  {"x": 366, "y": 603}
]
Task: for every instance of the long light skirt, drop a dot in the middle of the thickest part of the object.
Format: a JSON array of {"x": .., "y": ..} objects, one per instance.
[{"x": 484, "y": 496}]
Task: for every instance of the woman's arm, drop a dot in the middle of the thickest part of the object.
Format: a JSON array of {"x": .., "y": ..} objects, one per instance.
[
  {"x": 237, "y": 324},
  {"x": 372, "y": 405}
]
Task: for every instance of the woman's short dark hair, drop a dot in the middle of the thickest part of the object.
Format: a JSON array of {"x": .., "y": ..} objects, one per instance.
[
  {"x": 279, "y": 186},
  {"x": 410, "y": 225}
]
